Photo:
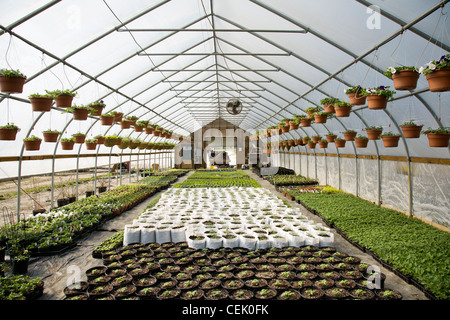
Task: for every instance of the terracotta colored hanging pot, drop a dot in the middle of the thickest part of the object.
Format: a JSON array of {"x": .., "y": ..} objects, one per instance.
[
  {"x": 349, "y": 136},
  {"x": 80, "y": 114},
  {"x": 328, "y": 108},
  {"x": 63, "y": 101},
  {"x": 356, "y": 99},
  {"x": 138, "y": 128},
  {"x": 361, "y": 143},
  {"x": 12, "y": 84},
  {"x": 91, "y": 145},
  {"x": 320, "y": 118},
  {"x": 311, "y": 145},
  {"x": 79, "y": 138},
  {"x": 305, "y": 122},
  {"x": 438, "y": 140},
  {"x": 305, "y": 140},
  {"x": 125, "y": 124},
  {"x": 405, "y": 79},
  {"x": 41, "y": 104},
  {"x": 390, "y": 141},
  {"x": 376, "y": 102},
  {"x": 32, "y": 145},
  {"x": 316, "y": 139},
  {"x": 98, "y": 110},
  {"x": 339, "y": 143},
  {"x": 148, "y": 130},
  {"x": 439, "y": 80},
  {"x": 293, "y": 125},
  {"x": 373, "y": 134},
  {"x": 8, "y": 134},
  {"x": 411, "y": 132},
  {"x": 106, "y": 120},
  {"x": 100, "y": 140},
  {"x": 331, "y": 138},
  {"x": 67, "y": 145},
  {"x": 323, "y": 144},
  {"x": 50, "y": 136},
  {"x": 285, "y": 129},
  {"x": 118, "y": 116},
  {"x": 343, "y": 111}
]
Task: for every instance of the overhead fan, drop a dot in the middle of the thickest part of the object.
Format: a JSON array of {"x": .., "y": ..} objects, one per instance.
[{"x": 234, "y": 106}]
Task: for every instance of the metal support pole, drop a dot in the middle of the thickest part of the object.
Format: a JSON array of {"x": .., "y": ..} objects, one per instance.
[
  {"x": 379, "y": 179},
  {"x": 410, "y": 187}
]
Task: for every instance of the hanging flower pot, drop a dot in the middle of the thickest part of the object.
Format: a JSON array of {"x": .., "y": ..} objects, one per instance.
[
  {"x": 100, "y": 139},
  {"x": 67, "y": 143},
  {"x": 124, "y": 143},
  {"x": 157, "y": 132},
  {"x": 377, "y": 98},
  {"x": 342, "y": 109},
  {"x": 63, "y": 98},
  {"x": 284, "y": 128},
  {"x": 361, "y": 141},
  {"x": 138, "y": 128},
  {"x": 8, "y": 132},
  {"x": 330, "y": 137},
  {"x": 97, "y": 107},
  {"x": 306, "y": 139},
  {"x": 79, "y": 113},
  {"x": 132, "y": 119},
  {"x": 373, "y": 133},
  {"x": 51, "y": 135},
  {"x": 405, "y": 78},
  {"x": 110, "y": 141},
  {"x": 107, "y": 119},
  {"x": 310, "y": 111},
  {"x": 297, "y": 142},
  {"x": 356, "y": 95},
  {"x": 316, "y": 138},
  {"x": 40, "y": 103},
  {"x": 293, "y": 125},
  {"x": 91, "y": 144},
  {"x": 79, "y": 137},
  {"x": 339, "y": 142},
  {"x": 305, "y": 121},
  {"x": 11, "y": 81},
  {"x": 32, "y": 143},
  {"x": 328, "y": 104},
  {"x": 390, "y": 140},
  {"x": 117, "y": 116},
  {"x": 411, "y": 130},
  {"x": 438, "y": 138},
  {"x": 311, "y": 144},
  {"x": 149, "y": 130},
  {"x": 323, "y": 143},
  {"x": 320, "y": 117},
  {"x": 125, "y": 124},
  {"x": 438, "y": 74},
  {"x": 349, "y": 135}
]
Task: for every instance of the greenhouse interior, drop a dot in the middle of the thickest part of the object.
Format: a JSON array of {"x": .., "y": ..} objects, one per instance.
[{"x": 241, "y": 151}]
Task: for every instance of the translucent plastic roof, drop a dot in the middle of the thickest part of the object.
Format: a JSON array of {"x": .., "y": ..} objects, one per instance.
[{"x": 177, "y": 62}]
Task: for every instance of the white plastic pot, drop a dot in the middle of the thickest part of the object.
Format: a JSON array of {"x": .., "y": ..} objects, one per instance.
[
  {"x": 148, "y": 234},
  {"x": 213, "y": 243},
  {"x": 163, "y": 234},
  {"x": 196, "y": 244},
  {"x": 178, "y": 234},
  {"x": 131, "y": 234}
]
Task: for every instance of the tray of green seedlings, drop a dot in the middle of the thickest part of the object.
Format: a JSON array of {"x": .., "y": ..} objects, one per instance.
[
  {"x": 290, "y": 179},
  {"x": 218, "y": 179}
]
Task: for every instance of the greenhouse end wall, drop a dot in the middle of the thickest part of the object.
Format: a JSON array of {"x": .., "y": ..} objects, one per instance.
[{"x": 360, "y": 177}]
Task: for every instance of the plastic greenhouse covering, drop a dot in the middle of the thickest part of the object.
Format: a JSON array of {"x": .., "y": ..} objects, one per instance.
[{"x": 176, "y": 63}]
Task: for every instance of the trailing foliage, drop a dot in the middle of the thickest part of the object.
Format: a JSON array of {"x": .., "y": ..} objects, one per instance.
[{"x": 409, "y": 245}]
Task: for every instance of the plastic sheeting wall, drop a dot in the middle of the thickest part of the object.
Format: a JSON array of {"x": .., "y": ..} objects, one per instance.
[{"x": 431, "y": 206}]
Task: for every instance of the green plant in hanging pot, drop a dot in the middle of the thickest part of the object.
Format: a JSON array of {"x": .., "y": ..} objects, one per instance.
[
  {"x": 342, "y": 108},
  {"x": 32, "y": 143},
  {"x": 79, "y": 112},
  {"x": 356, "y": 95},
  {"x": 328, "y": 104},
  {"x": 320, "y": 116},
  {"x": 63, "y": 98},
  {"x": 405, "y": 78},
  {"x": 117, "y": 115},
  {"x": 97, "y": 107},
  {"x": 437, "y": 73},
  {"x": 411, "y": 130},
  {"x": 323, "y": 143},
  {"x": 79, "y": 137},
  {"x": 41, "y": 102},
  {"x": 330, "y": 137},
  {"x": 100, "y": 139},
  {"x": 374, "y": 132},
  {"x": 349, "y": 135},
  {"x": 140, "y": 125},
  {"x": 67, "y": 143},
  {"x": 124, "y": 143},
  {"x": 312, "y": 110},
  {"x": 293, "y": 124},
  {"x": 390, "y": 139},
  {"x": 377, "y": 98},
  {"x": 339, "y": 142},
  {"x": 91, "y": 144},
  {"x": 438, "y": 138},
  {"x": 11, "y": 81},
  {"x": 134, "y": 143},
  {"x": 107, "y": 119},
  {"x": 305, "y": 121},
  {"x": 110, "y": 141},
  {"x": 51, "y": 135},
  {"x": 361, "y": 141},
  {"x": 284, "y": 128},
  {"x": 8, "y": 132}
]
